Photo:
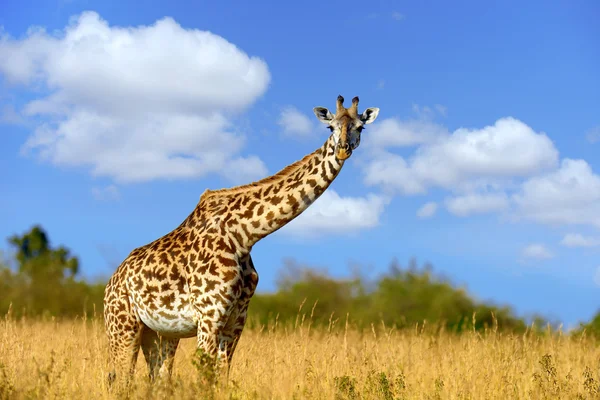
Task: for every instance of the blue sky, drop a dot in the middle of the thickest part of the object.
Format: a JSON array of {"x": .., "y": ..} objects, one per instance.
[{"x": 114, "y": 118}]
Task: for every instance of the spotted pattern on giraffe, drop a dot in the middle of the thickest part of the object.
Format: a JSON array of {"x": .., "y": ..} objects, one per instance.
[{"x": 197, "y": 280}]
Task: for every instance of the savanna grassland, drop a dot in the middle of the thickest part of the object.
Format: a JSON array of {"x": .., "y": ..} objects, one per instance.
[
  {"x": 68, "y": 360},
  {"x": 340, "y": 346}
]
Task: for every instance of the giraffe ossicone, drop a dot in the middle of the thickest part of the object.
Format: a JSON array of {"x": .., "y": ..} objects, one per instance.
[{"x": 197, "y": 280}]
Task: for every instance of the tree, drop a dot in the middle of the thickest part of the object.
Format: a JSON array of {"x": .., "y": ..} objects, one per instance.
[
  {"x": 44, "y": 279},
  {"x": 38, "y": 261}
]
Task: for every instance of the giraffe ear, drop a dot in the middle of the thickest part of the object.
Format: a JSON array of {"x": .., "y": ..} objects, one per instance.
[
  {"x": 323, "y": 114},
  {"x": 369, "y": 115}
]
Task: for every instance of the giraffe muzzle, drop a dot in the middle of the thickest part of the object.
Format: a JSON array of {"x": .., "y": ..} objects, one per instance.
[{"x": 343, "y": 151}]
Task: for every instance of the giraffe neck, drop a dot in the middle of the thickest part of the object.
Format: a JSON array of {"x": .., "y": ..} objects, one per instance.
[{"x": 249, "y": 213}]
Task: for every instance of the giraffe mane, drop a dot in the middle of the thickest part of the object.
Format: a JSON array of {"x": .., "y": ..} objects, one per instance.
[{"x": 283, "y": 173}]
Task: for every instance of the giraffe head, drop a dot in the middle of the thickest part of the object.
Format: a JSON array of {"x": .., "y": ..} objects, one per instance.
[{"x": 346, "y": 124}]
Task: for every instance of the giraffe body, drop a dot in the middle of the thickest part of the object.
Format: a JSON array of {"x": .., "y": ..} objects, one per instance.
[{"x": 197, "y": 280}]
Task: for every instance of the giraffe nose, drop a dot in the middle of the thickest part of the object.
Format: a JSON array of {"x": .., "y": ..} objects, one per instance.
[{"x": 343, "y": 151}]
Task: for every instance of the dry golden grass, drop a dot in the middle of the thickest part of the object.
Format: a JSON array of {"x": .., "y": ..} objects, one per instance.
[{"x": 68, "y": 360}]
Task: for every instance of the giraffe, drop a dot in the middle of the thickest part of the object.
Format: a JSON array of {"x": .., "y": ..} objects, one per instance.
[{"x": 197, "y": 280}]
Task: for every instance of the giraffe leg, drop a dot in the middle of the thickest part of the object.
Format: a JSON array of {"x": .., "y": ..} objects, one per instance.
[
  {"x": 230, "y": 336},
  {"x": 124, "y": 330},
  {"x": 159, "y": 352},
  {"x": 211, "y": 349},
  {"x": 212, "y": 334},
  {"x": 235, "y": 325}
]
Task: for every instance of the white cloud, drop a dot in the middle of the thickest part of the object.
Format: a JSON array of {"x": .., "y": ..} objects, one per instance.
[
  {"x": 8, "y": 115},
  {"x": 295, "y": 123},
  {"x": 569, "y": 195},
  {"x": 397, "y": 16},
  {"x": 593, "y": 135},
  {"x": 392, "y": 173},
  {"x": 428, "y": 210},
  {"x": 332, "y": 213},
  {"x": 110, "y": 192},
  {"x": 597, "y": 276},
  {"x": 135, "y": 103},
  {"x": 462, "y": 161},
  {"x": 393, "y": 132},
  {"x": 578, "y": 240},
  {"x": 537, "y": 251},
  {"x": 477, "y": 203}
]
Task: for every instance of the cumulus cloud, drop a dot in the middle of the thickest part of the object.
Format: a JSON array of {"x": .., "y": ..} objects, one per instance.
[
  {"x": 537, "y": 251},
  {"x": 394, "y": 132},
  {"x": 393, "y": 174},
  {"x": 427, "y": 210},
  {"x": 593, "y": 135},
  {"x": 332, "y": 213},
  {"x": 464, "y": 160},
  {"x": 505, "y": 167},
  {"x": 135, "y": 103},
  {"x": 578, "y": 240},
  {"x": 477, "y": 203},
  {"x": 569, "y": 195},
  {"x": 295, "y": 123}
]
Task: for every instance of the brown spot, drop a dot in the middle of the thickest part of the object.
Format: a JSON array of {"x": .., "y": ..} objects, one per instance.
[
  {"x": 311, "y": 182},
  {"x": 270, "y": 215},
  {"x": 147, "y": 274},
  {"x": 222, "y": 245},
  {"x": 206, "y": 302},
  {"x": 319, "y": 190},
  {"x": 212, "y": 269},
  {"x": 180, "y": 285},
  {"x": 260, "y": 210},
  {"x": 211, "y": 284},
  {"x": 294, "y": 185},
  {"x": 291, "y": 200},
  {"x": 227, "y": 262},
  {"x": 150, "y": 259},
  {"x": 167, "y": 316},
  {"x": 161, "y": 273},
  {"x": 245, "y": 229},
  {"x": 168, "y": 300},
  {"x": 331, "y": 168},
  {"x": 249, "y": 213},
  {"x": 229, "y": 275},
  {"x": 238, "y": 237},
  {"x": 236, "y": 204}
]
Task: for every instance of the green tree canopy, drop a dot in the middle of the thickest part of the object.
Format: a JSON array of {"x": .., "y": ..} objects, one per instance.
[
  {"x": 44, "y": 280},
  {"x": 38, "y": 260}
]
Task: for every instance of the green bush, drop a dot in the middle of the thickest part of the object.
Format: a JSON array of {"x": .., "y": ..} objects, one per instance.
[{"x": 44, "y": 280}]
